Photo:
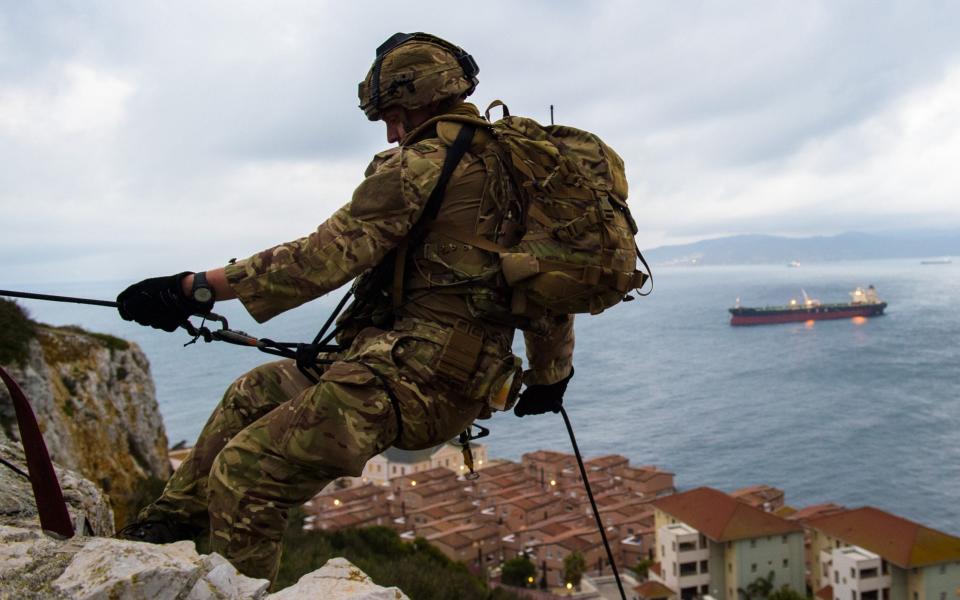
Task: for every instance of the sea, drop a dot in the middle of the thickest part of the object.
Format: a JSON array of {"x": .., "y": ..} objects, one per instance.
[{"x": 855, "y": 411}]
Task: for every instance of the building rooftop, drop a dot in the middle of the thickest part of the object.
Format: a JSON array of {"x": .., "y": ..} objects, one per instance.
[
  {"x": 606, "y": 461},
  {"x": 547, "y": 456},
  {"x": 816, "y": 510},
  {"x": 721, "y": 517},
  {"x": 653, "y": 590},
  {"x": 898, "y": 540}
]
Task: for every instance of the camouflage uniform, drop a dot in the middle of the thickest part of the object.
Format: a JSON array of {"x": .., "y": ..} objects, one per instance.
[{"x": 277, "y": 439}]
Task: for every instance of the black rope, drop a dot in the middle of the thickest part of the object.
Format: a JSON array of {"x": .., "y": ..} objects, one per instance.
[
  {"x": 52, "y": 298},
  {"x": 593, "y": 504},
  {"x": 15, "y": 468}
]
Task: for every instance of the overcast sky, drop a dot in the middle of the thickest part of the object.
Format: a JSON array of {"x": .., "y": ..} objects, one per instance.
[{"x": 146, "y": 138}]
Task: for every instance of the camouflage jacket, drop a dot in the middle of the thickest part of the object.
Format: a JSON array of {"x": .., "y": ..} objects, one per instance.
[{"x": 444, "y": 281}]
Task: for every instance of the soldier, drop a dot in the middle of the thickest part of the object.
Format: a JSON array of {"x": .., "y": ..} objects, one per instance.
[{"x": 426, "y": 344}]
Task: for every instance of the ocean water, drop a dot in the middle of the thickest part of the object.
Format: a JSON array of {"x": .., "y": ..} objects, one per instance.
[{"x": 856, "y": 412}]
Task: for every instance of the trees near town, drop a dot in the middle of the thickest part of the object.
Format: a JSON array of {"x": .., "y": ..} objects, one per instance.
[
  {"x": 518, "y": 571},
  {"x": 574, "y": 564}
]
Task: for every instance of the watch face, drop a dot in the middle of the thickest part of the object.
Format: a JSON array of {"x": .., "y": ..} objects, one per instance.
[{"x": 202, "y": 295}]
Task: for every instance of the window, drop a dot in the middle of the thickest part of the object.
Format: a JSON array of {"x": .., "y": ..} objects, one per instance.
[
  {"x": 783, "y": 539},
  {"x": 704, "y": 566},
  {"x": 704, "y": 589},
  {"x": 753, "y": 543},
  {"x": 753, "y": 568},
  {"x": 853, "y": 573},
  {"x": 703, "y": 541},
  {"x": 786, "y": 563},
  {"x": 853, "y": 594},
  {"x": 943, "y": 569},
  {"x": 836, "y": 576}
]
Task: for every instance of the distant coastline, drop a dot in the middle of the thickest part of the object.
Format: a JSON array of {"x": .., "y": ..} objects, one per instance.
[{"x": 928, "y": 247}]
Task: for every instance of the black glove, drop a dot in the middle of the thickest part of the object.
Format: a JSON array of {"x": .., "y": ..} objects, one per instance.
[
  {"x": 159, "y": 302},
  {"x": 538, "y": 399}
]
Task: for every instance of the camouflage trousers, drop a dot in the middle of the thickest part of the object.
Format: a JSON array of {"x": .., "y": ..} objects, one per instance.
[{"x": 276, "y": 439}]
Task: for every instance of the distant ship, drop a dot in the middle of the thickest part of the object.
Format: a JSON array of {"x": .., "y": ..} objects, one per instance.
[
  {"x": 936, "y": 261},
  {"x": 863, "y": 303}
]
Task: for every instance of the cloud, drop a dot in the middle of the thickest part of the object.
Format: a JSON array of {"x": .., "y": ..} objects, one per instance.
[{"x": 153, "y": 137}]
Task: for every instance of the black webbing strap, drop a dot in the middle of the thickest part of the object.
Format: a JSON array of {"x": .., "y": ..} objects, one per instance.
[{"x": 454, "y": 154}]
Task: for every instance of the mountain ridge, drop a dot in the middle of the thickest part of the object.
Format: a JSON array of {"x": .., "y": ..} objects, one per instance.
[{"x": 765, "y": 249}]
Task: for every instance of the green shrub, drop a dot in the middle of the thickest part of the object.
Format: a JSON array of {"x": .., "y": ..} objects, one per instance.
[
  {"x": 417, "y": 568},
  {"x": 518, "y": 571},
  {"x": 16, "y": 331}
]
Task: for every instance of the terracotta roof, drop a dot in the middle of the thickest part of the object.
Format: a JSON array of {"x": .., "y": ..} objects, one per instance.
[
  {"x": 641, "y": 473},
  {"x": 816, "y": 510},
  {"x": 547, "y": 456},
  {"x": 825, "y": 593},
  {"x": 651, "y": 590},
  {"x": 606, "y": 461},
  {"x": 722, "y": 518},
  {"x": 493, "y": 469},
  {"x": 758, "y": 494},
  {"x": 655, "y": 567},
  {"x": 898, "y": 540}
]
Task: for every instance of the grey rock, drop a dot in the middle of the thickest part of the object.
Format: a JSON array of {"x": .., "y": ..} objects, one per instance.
[
  {"x": 95, "y": 402},
  {"x": 339, "y": 579}
]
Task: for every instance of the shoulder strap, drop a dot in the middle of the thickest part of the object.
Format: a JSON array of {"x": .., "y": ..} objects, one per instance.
[{"x": 454, "y": 154}]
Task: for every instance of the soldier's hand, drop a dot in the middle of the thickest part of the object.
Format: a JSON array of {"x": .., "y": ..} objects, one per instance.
[
  {"x": 538, "y": 399},
  {"x": 158, "y": 302}
]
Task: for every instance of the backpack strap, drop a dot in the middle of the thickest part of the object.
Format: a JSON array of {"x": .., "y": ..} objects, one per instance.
[{"x": 454, "y": 154}]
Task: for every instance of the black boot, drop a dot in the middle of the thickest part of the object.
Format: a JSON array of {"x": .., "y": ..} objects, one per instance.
[{"x": 157, "y": 532}]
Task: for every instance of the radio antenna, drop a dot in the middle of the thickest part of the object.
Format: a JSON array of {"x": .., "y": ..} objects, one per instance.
[{"x": 551, "y": 114}]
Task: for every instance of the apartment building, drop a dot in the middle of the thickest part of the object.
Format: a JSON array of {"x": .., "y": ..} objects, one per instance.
[
  {"x": 395, "y": 462},
  {"x": 870, "y": 554},
  {"x": 708, "y": 543}
]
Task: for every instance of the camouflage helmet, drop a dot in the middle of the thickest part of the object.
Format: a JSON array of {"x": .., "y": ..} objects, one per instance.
[{"x": 413, "y": 70}]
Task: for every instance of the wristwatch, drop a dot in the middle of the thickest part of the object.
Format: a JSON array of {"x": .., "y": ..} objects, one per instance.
[{"x": 201, "y": 292}]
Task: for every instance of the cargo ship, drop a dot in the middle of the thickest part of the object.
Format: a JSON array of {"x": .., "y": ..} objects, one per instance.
[{"x": 863, "y": 303}]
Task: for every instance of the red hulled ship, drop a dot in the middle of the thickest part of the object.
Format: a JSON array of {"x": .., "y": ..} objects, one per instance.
[{"x": 863, "y": 303}]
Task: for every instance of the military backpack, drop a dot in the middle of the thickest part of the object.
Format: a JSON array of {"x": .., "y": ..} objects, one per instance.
[{"x": 577, "y": 252}]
